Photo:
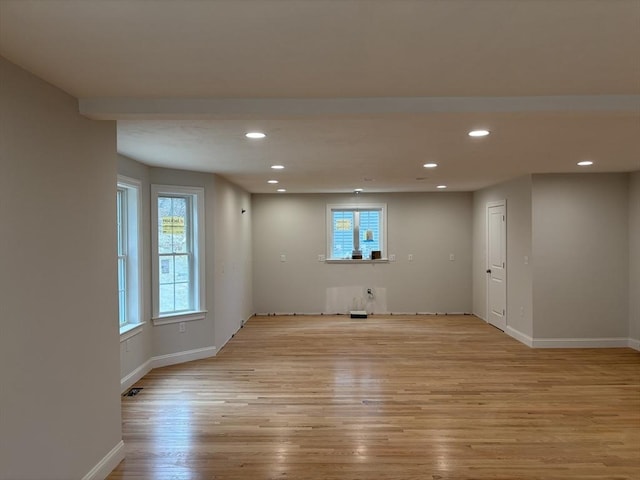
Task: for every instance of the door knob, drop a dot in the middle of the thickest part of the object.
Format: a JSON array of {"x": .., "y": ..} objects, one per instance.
[{"x": 489, "y": 270}]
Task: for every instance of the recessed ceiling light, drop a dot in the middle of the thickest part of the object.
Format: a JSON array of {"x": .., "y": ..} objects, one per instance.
[
  {"x": 272, "y": 181},
  {"x": 255, "y": 135},
  {"x": 281, "y": 190},
  {"x": 441, "y": 187},
  {"x": 430, "y": 165},
  {"x": 358, "y": 190},
  {"x": 479, "y": 133},
  {"x": 585, "y": 163},
  {"x": 277, "y": 167}
]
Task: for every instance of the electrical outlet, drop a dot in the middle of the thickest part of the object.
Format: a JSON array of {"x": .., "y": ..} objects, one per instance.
[
  {"x": 392, "y": 257},
  {"x": 452, "y": 257},
  {"x": 321, "y": 257},
  {"x": 182, "y": 327},
  {"x": 283, "y": 258}
]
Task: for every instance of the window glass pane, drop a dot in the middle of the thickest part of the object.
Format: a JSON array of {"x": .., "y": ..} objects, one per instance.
[
  {"x": 183, "y": 298},
  {"x": 166, "y": 298},
  {"x": 122, "y": 308},
  {"x": 165, "y": 237},
  {"x": 369, "y": 232},
  {"x": 342, "y": 239},
  {"x": 179, "y": 225},
  {"x": 182, "y": 269},
  {"x": 120, "y": 220},
  {"x": 166, "y": 269},
  {"x": 122, "y": 298}
]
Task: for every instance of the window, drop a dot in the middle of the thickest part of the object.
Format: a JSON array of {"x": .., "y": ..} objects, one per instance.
[
  {"x": 129, "y": 258},
  {"x": 178, "y": 253},
  {"x": 354, "y": 231}
]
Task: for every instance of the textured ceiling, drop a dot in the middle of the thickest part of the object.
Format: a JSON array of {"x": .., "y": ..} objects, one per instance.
[{"x": 350, "y": 93}]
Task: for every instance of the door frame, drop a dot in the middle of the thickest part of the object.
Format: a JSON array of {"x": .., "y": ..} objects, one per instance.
[{"x": 488, "y": 206}]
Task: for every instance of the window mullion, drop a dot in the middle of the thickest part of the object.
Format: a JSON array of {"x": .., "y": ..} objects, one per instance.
[{"x": 356, "y": 230}]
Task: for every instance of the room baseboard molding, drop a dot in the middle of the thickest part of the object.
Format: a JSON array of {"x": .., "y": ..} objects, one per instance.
[
  {"x": 284, "y": 314},
  {"x": 128, "y": 381},
  {"x": 580, "y": 342},
  {"x": 634, "y": 343},
  {"x": 105, "y": 466},
  {"x": 181, "y": 357},
  {"x": 518, "y": 335}
]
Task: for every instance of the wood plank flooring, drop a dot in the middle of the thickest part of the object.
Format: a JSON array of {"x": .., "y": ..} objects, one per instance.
[{"x": 394, "y": 398}]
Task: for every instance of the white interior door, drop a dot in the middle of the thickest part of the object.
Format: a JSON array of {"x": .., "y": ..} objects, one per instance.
[{"x": 497, "y": 264}]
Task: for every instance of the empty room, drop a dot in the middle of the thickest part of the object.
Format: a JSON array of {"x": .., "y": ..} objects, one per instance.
[{"x": 315, "y": 239}]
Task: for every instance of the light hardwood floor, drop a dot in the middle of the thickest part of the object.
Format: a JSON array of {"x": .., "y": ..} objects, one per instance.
[{"x": 398, "y": 397}]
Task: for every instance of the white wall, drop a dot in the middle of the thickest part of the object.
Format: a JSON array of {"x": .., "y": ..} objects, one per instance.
[
  {"x": 634, "y": 258},
  {"x": 167, "y": 339},
  {"x": 59, "y": 365},
  {"x": 228, "y": 274},
  {"x": 517, "y": 194},
  {"x": 430, "y": 226},
  {"x": 580, "y": 256},
  {"x": 136, "y": 351},
  {"x": 233, "y": 296}
]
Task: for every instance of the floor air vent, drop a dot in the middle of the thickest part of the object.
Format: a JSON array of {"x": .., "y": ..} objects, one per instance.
[{"x": 132, "y": 392}]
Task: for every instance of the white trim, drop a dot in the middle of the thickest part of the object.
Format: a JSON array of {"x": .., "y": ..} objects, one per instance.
[
  {"x": 615, "y": 342},
  {"x": 634, "y": 343},
  {"x": 105, "y": 466},
  {"x": 198, "y": 221},
  {"x": 182, "y": 357},
  {"x": 480, "y": 317},
  {"x": 119, "y": 108},
  {"x": 180, "y": 317},
  {"x": 356, "y": 206},
  {"x": 521, "y": 337},
  {"x": 339, "y": 314},
  {"x": 364, "y": 260},
  {"x": 135, "y": 185},
  {"x": 129, "y": 330},
  {"x": 128, "y": 380}
]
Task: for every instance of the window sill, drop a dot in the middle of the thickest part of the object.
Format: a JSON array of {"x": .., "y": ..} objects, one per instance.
[
  {"x": 130, "y": 330},
  {"x": 180, "y": 317},
  {"x": 364, "y": 260}
]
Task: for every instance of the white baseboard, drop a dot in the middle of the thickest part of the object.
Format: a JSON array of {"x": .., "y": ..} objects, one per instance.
[
  {"x": 134, "y": 376},
  {"x": 285, "y": 314},
  {"x": 580, "y": 342},
  {"x": 521, "y": 337},
  {"x": 105, "y": 466},
  {"x": 634, "y": 343},
  {"x": 181, "y": 357}
]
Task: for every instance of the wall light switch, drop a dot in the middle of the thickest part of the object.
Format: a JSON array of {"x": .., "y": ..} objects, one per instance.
[
  {"x": 283, "y": 258},
  {"x": 410, "y": 257},
  {"x": 452, "y": 257},
  {"x": 526, "y": 260}
]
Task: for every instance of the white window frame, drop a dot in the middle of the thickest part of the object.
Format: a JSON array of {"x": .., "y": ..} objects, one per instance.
[
  {"x": 132, "y": 252},
  {"x": 196, "y": 195},
  {"x": 382, "y": 207}
]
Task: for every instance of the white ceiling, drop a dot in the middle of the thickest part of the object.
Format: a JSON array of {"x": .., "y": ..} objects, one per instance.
[{"x": 350, "y": 93}]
